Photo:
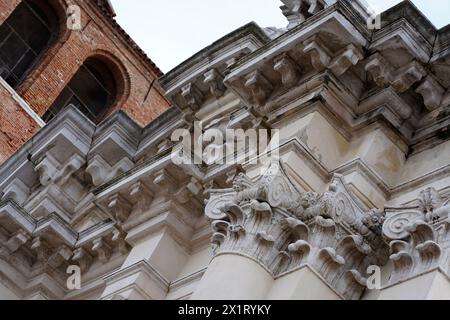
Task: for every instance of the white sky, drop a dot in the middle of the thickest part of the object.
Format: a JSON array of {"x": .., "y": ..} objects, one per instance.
[{"x": 171, "y": 31}]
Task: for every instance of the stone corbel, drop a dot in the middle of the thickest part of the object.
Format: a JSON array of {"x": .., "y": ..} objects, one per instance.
[
  {"x": 407, "y": 75},
  {"x": 379, "y": 70},
  {"x": 192, "y": 96},
  {"x": 100, "y": 171},
  {"x": 320, "y": 56},
  {"x": 102, "y": 249},
  {"x": 288, "y": 69},
  {"x": 192, "y": 189},
  {"x": 164, "y": 179},
  {"x": 214, "y": 80},
  {"x": 41, "y": 248},
  {"x": 260, "y": 87},
  {"x": 141, "y": 196},
  {"x": 432, "y": 93},
  {"x": 120, "y": 207},
  {"x": 16, "y": 241},
  {"x": 82, "y": 257},
  {"x": 47, "y": 169},
  {"x": 350, "y": 56},
  {"x": 17, "y": 191},
  {"x": 50, "y": 170},
  {"x": 118, "y": 238},
  {"x": 61, "y": 256}
]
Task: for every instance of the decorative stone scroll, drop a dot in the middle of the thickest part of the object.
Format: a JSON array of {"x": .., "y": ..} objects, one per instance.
[
  {"x": 282, "y": 228},
  {"x": 192, "y": 96},
  {"x": 401, "y": 79},
  {"x": 322, "y": 58},
  {"x": 214, "y": 80},
  {"x": 297, "y": 11},
  {"x": 419, "y": 236}
]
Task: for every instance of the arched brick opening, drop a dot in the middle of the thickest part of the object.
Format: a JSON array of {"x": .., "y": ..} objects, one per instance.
[
  {"x": 26, "y": 36},
  {"x": 120, "y": 74},
  {"x": 97, "y": 88},
  {"x": 60, "y": 7}
]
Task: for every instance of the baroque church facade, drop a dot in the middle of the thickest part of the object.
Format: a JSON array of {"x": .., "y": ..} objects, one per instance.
[{"x": 354, "y": 206}]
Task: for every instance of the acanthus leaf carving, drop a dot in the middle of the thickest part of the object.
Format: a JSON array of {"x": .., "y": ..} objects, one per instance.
[
  {"x": 283, "y": 228},
  {"x": 418, "y": 235}
]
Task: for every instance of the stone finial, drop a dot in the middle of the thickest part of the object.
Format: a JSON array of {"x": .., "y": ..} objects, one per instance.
[{"x": 297, "y": 11}]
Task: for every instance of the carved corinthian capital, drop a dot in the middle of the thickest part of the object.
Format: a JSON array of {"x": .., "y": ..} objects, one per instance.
[
  {"x": 419, "y": 236},
  {"x": 273, "y": 223}
]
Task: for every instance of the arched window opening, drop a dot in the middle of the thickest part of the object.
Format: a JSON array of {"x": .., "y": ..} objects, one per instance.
[
  {"x": 24, "y": 37},
  {"x": 93, "y": 90}
]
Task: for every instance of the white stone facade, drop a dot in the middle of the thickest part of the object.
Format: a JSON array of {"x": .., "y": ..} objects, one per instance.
[{"x": 362, "y": 179}]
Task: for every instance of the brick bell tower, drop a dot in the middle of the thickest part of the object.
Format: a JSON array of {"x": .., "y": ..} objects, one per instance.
[{"x": 59, "y": 52}]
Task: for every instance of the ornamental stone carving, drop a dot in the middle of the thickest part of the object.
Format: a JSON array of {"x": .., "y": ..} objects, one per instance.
[
  {"x": 192, "y": 96},
  {"x": 432, "y": 93},
  {"x": 282, "y": 229},
  {"x": 322, "y": 58},
  {"x": 297, "y": 11},
  {"x": 260, "y": 87},
  {"x": 401, "y": 79},
  {"x": 214, "y": 80},
  {"x": 288, "y": 69},
  {"x": 419, "y": 236}
]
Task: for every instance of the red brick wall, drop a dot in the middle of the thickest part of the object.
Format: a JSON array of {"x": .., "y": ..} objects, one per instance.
[
  {"x": 17, "y": 127},
  {"x": 141, "y": 97}
]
